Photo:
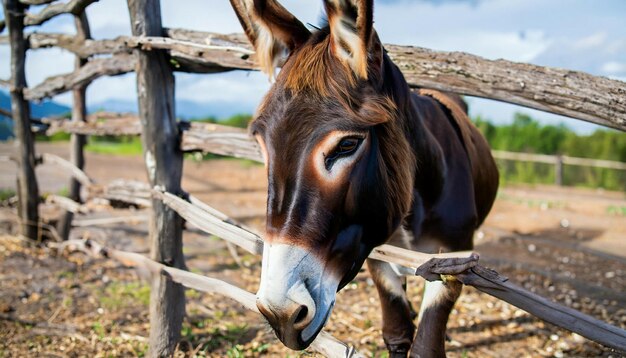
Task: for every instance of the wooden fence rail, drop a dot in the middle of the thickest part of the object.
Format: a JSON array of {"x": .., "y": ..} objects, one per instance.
[
  {"x": 574, "y": 94},
  {"x": 235, "y": 142},
  {"x": 559, "y": 161}
]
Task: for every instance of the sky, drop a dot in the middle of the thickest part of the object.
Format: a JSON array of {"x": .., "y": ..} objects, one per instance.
[{"x": 580, "y": 35}]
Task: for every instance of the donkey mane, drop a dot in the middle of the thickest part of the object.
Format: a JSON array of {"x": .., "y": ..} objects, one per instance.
[{"x": 313, "y": 68}]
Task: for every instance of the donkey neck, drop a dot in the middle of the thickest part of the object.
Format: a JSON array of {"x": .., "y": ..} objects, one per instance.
[{"x": 430, "y": 165}]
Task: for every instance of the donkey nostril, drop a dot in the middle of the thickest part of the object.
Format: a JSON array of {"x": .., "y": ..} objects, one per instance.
[{"x": 300, "y": 314}]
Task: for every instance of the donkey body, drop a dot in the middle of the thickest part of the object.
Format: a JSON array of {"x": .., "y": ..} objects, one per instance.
[{"x": 354, "y": 160}]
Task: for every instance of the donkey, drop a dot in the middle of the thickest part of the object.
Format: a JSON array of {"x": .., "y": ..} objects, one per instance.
[{"x": 354, "y": 159}]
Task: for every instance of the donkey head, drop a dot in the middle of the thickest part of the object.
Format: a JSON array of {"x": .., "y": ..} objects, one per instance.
[{"x": 340, "y": 170}]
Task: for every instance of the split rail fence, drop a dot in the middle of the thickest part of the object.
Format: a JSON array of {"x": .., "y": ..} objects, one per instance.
[{"x": 154, "y": 53}]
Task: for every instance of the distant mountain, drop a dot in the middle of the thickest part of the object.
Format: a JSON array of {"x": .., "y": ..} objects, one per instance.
[
  {"x": 45, "y": 108},
  {"x": 185, "y": 109}
]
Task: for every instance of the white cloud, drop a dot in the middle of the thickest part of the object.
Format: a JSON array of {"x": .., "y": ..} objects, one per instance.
[
  {"x": 43, "y": 63},
  {"x": 248, "y": 87},
  {"x": 591, "y": 41},
  {"x": 614, "y": 67},
  {"x": 108, "y": 19},
  {"x": 5, "y": 68},
  {"x": 513, "y": 46},
  {"x": 123, "y": 87}
]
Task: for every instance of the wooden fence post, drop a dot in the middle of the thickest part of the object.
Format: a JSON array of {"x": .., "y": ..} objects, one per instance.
[
  {"x": 558, "y": 170},
  {"x": 27, "y": 189},
  {"x": 79, "y": 114},
  {"x": 164, "y": 161}
]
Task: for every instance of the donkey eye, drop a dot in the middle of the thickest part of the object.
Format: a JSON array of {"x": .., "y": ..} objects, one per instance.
[{"x": 345, "y": 147}]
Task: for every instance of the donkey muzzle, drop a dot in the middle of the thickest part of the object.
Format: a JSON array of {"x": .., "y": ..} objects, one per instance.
[{"x": 294, "y": 296}]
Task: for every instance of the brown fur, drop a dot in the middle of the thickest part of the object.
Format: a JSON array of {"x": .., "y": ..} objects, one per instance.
[
  {"x": 484, "y": 169},
  {"x": 321, "y": 72}
]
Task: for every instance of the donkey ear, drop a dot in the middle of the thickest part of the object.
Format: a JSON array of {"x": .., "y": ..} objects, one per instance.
[
  {"x": 271, "y": 29},
  {"x": 351, "y": 23}
]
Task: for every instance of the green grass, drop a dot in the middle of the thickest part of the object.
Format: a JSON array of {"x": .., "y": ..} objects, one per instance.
[
  {"x": 120, "y": 294},
  {"x": 116, "y": 146},
  {"x": 7, "y": 194},
  {"x": 616, "y": 210}
]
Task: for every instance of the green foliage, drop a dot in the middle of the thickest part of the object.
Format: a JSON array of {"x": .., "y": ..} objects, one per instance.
[
  {"x": 56, "y": 137},
  {"x": 238, "y": 120},
  {"x": 527, "y": 135},
  {"x": 117, "y": 145}
]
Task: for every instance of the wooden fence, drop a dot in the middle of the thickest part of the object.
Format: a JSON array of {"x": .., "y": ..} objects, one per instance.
[
  {"x": 558, "y": 161},
  {"x": 154, "y": 53}
]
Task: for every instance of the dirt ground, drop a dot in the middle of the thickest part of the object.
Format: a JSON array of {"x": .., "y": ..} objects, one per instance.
[{"x": 563, "y": 243}]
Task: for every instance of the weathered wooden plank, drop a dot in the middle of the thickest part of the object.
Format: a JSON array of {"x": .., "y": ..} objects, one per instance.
[
  {"x": 210, "y": 222},
  {"x": 27, "y": 188},
  {"x": 574, "y": 94},
  {"x": 76, "y": 172},
  {"x": 190, "y": 51},
  {"x": 100, "y": 123},
  {"x": 75, "y": 7},
  {"x": 164, "y": 165},
  {"x": 36, "y": 2},
  {"x": 491, "y": 282},
  {"x": 79, "y": 115},
  {"x": 218, "y": 139},
  {"x": 226, "y": 52},
  {"x": 114, "y": 65},
  {"x": 554, "y": 159}
]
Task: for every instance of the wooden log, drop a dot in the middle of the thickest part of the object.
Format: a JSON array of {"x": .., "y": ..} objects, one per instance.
[
  {"x": 75, "y": 7},
  {"x": 133, "y": 192},
  {"x": 223, "y": 53},
  {"x": 492, "y": 283},
  {"x": 79, "y": 115},
  {"x": 82, "y": 48},
  {"x": 67, "y": 204},
  {"x": 99, "y": 124},
  {"x": 573, "y": 94},
  {"x": 76, "y": 173},
  {"x": 27, "y": 188},
  {"x": 115, "y": 65},
  {"x": 164, "y": 164},
  {"x": 570, "y": 93},
  {"x": 554, "y": 159},
  {"x": 36, "y": 2},
  {"x": 218, "y": 139},
  {"x": 133, "y": 219},
  {"x": 324, "y": 343}
]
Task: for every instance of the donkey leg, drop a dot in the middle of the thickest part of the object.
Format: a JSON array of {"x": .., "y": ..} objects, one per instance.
[
  {"x": 398, "y": 327},
  {"x": 439, "y": 298}
]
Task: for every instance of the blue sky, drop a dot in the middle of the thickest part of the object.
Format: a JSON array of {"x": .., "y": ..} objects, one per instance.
[{"x": 581, "y": 35}]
